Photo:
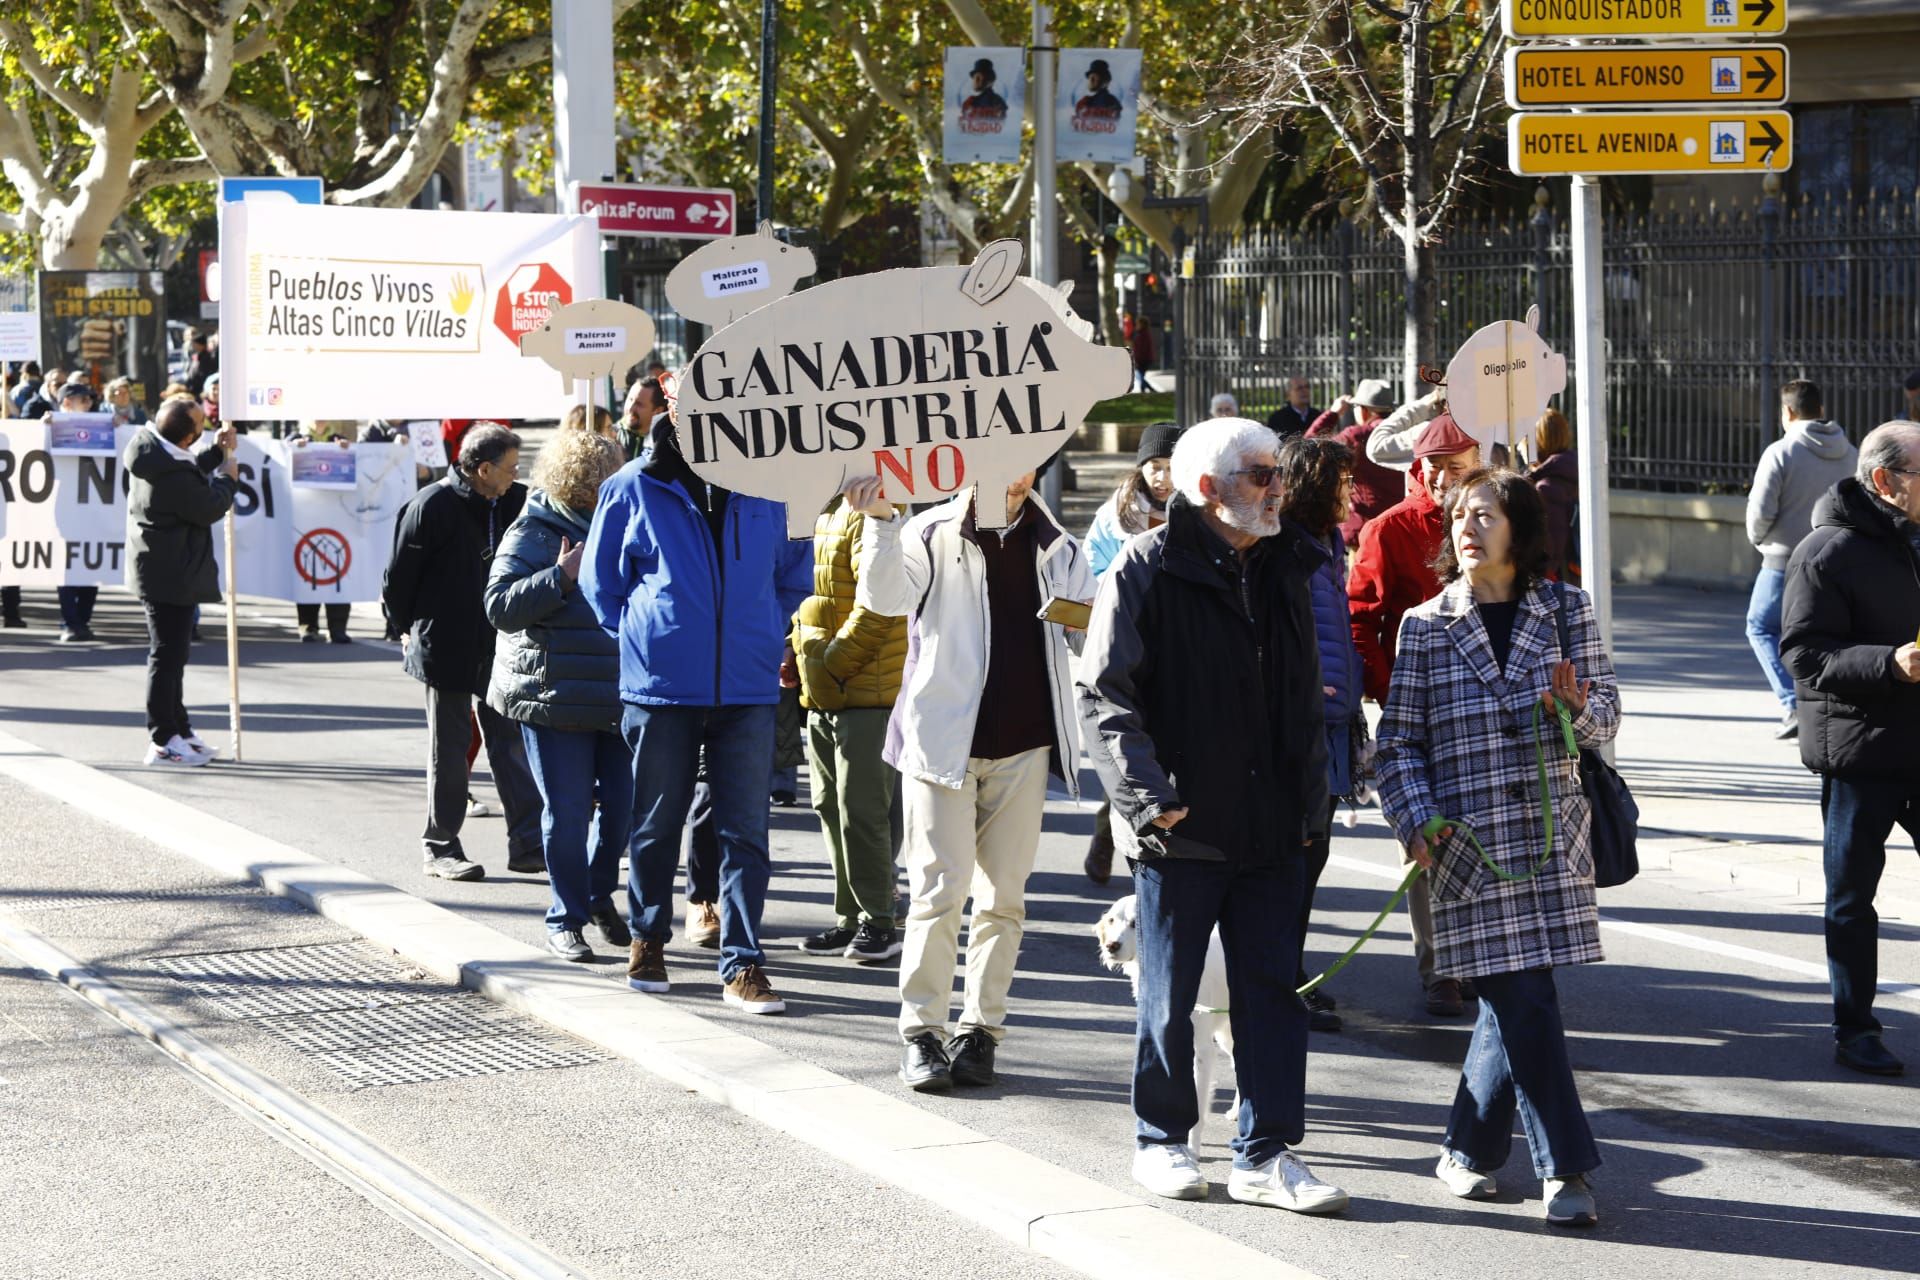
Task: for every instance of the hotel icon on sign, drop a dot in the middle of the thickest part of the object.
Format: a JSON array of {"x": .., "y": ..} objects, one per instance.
[
  {"x": 1726, "y": 75},
  {"x": 1727, "y": 141},
  {"x": 1720, "y": 13}
]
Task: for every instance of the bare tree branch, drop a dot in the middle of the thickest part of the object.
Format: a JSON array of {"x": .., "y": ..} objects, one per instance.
[{"x": 150, "y": 175}]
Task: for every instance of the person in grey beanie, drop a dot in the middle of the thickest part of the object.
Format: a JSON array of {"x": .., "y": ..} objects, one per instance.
[{"x": 1811, "y": 456}]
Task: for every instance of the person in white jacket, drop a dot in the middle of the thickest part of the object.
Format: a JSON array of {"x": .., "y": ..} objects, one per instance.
[
  {"x": 1810, "y": 457},
  {"x": 985, "y": 712}
]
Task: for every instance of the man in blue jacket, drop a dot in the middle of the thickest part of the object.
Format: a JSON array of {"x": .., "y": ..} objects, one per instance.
[{"x": 698, "y": 584}]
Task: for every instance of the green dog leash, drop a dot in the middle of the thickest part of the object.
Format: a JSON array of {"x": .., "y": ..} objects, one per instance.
[{"x": 1431, "y": 829}]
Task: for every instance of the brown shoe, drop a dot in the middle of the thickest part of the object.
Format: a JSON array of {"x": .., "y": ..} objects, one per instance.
[
  {"x": 647, "y": 967},
  {"x": 703, "y": 924},
  {"x": 1443, "y": 998},
  {"x": 1099, "y": 860},
  {"x": 750, "y": 992}
]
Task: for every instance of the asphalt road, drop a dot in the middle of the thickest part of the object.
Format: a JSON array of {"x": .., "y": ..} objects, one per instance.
[{"x": 1733, "y": 1145}]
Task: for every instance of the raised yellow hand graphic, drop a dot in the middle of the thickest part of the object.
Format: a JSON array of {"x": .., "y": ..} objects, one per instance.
[{"x": 462, "y": 295}]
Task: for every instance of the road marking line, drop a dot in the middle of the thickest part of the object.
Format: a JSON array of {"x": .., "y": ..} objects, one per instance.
[{"x": 1675, "y": 938}]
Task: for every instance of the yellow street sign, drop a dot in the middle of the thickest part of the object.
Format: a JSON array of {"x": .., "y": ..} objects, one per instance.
[
  {"x": 1646, "y": 75},
  {"x": 1621, "y": 142},
  {"x": 1628, "y": 19}
]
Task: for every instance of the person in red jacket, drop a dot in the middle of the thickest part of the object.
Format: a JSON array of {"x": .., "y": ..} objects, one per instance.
[{"x": 1394, "y": 572}]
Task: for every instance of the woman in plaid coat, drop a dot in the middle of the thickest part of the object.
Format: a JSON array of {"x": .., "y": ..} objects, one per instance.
[{"x": 1457, "y": 741}]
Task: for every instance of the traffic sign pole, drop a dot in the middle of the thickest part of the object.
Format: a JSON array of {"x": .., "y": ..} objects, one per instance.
[{"x": 1590, "y": 403}]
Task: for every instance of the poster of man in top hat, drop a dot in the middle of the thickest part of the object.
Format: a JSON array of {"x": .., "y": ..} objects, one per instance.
[
  {"x": 982, "y": 105},
  {"x": 1097, "y": 105}
]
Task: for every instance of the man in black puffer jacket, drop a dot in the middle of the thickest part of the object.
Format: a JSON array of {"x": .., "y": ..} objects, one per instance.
[
  {"x": 1200, "y": 695},
  {"x": 1848, "y": 634},
  {"x": 442, "y": 546},
  {"x": 173, "y": 502}
]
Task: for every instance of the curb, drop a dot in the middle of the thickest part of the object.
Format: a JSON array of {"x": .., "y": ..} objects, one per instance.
[
  {"x": 1080, "y": 1223},
  {"x": 1707, "y": 858}
]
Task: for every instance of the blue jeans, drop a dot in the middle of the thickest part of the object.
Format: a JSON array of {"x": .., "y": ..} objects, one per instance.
[
  {"x": 1763, "y": 633},
  {"x": 1258, "y": 912},
  {"x": 1518, "y": 1059},
  {"x": 582, "y": 845},
  {"x": 666, "y": 743},
  {"x": 1859, "y": 817}
]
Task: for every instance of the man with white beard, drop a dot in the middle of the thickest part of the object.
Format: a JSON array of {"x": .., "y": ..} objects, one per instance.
[{"x": 1199, "y": 694}]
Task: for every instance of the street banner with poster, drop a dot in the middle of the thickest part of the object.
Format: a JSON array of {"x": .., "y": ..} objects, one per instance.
[
  {"x": 63, "y": 517},
  {"x": 107, "y": 325},
  {"x": 332, "y": 312},
  {"x": 983, "y": 105},
  {"x": 1096, "y": 105}
]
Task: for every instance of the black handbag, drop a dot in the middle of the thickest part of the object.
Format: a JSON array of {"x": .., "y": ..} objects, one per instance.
[{"x": 1616, "y": 816}]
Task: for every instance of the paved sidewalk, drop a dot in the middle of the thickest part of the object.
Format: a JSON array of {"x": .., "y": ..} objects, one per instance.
[{"x": 1718, "y": 795}]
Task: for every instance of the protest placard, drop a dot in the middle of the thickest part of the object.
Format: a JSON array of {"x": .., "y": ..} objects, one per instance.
[
  {"x": 107, "y": 324},
  {"x": 19, "y": 335},
  {"x": 90, "y": 433},
  {"x": 1499, "y": 382},
  {"x": 721, "y": 281},
  {"x": 934, "y": 378},
  {"x": 331, "y": 312}
]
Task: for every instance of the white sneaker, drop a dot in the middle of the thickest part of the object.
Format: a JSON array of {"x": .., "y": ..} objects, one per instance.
[
  {"x": 201, "y": 748},
  {"x": 1285, "y": 1182},
  {"x": 1468, "y": 1184},
  {"x": 1570, "y": 1203},
  {"x": 171, "y": 754},
  {"x": 1168, "y": 1169},
  {"x": 478, "y": 808}
]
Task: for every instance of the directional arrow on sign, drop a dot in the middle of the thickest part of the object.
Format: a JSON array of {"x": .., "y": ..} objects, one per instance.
[
  {"x": 1763, "y": 75},
  {"x": 1761, "y": 9},
  {"x": 1770, "y": 138}
]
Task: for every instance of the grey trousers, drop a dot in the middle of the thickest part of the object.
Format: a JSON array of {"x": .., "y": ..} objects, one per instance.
[{"x": 448, "y": 732}]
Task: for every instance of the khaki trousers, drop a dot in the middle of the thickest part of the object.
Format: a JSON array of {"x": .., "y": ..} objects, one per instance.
[{"x": 978, "y": 841}]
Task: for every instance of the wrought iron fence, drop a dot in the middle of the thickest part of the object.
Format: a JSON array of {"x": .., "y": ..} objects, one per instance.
[{"x": 1708, "y": 311}]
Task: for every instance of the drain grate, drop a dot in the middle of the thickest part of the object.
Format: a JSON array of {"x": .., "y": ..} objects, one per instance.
[
  {"x": 348, "y": 1007},
  {"x": 17, "y": 901},
  {"x": 287, "y": 980}
]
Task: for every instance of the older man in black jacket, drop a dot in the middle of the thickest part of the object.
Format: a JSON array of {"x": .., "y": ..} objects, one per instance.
[
  {"x": 173, "y": 502},
  {"x": 1848, "y": 634},
  {"x": 435, "y": 591},
  {"x": 1199, "y": 690}
]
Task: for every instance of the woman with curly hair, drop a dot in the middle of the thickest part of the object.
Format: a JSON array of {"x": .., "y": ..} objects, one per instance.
[
  {"x": 558, "y": 674},
  {"x": 1316, "y": 474},
  {"x": 1471, "y": 737}
]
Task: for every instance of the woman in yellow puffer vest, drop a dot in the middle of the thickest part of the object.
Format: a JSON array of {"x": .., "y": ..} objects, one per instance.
[{"x": 850, "y": 662}]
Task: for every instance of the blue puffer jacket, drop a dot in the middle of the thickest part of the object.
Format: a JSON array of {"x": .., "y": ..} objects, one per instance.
[
  {"x": 1339, "y": 660},
  {"x": 696, "y": 628},
  {"x": 553, "y": 665}
]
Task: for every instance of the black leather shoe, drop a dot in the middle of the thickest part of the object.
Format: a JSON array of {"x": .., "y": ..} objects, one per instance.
[
  {"x": 527, "y": 864},
  {"x": 1320, "y": 1014},
  {"x": 1866, "y": 1053},
  {"x": 613, "y": 930},
  {"x": 923, "y": 1065},
  {"x": 972, "y": 1054}
]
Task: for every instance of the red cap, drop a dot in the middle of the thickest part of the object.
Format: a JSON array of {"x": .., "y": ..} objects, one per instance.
[{"x": 1442, "y": 438}]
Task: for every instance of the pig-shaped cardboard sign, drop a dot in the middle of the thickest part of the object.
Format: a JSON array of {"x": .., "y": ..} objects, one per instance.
[
  {"x": 1500, "y": 380},
  {"x": 597, "y": 338},
  {"x": 934, "y": 378},
  {"x": 722, "y": 280}
]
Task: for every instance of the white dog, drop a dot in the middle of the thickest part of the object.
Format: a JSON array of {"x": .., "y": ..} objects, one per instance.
[{"x": 1118, "y": 934}]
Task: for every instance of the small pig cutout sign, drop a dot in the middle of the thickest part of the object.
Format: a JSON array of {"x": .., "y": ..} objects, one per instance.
[
  {"x": 937, "y": 379},
  {"x": 723, "y": 280},
  {"x": 1499, "y": 382},
  {"x": 598, "y": 338}
]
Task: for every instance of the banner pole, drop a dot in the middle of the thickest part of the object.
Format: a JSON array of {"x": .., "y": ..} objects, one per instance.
[{"x": 233, "y": 640}]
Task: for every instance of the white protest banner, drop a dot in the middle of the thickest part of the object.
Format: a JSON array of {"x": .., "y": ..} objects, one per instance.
[
  {"x": 63, "y": 518},
  {"x": 1499, "y": 382},
  {"x": 330, "y": 312},
  {"x": 722, "y": 280},
  {"x": 1096, "y": 105},
  {"x": 19, "y": 335},
  {"x": 983, "y": 105},
  {"x": 934, "y": 378}
]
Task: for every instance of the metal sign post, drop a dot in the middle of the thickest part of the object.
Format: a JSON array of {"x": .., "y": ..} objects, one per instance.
[
  {"x": 582, "y": 112},
  {"x": 1044, "y": 260}
]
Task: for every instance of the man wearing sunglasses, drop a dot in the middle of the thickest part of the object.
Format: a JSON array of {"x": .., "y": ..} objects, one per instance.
[{"x": 1200, "y": 701}]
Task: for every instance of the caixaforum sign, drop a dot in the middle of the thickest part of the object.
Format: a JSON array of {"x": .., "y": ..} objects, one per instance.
[{"x": 933, "y": 378}]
